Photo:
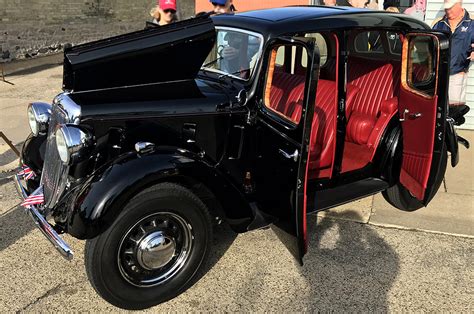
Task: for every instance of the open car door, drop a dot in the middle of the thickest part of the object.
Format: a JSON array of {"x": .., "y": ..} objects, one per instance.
[
  {"x": 423, "y": 109},
  {"x": 283, "y": 127}
]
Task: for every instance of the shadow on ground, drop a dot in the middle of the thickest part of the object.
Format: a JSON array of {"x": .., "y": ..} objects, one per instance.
[
  {"x": 9, "y": 155},
  {"x": 351, "y": 270},
  {"x": 14, "y": 224}
]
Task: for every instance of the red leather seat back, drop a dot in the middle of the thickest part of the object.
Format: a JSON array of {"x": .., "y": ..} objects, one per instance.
[
  {"x": 286, "y": 94},
  {"x": 377, "y": 81},
  {"x": 324, "y": 125}
]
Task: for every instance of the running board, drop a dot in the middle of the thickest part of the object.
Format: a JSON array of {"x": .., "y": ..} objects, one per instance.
[{"x": 332, "y": 197}]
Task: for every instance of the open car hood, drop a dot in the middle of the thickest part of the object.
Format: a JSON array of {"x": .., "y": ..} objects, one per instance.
[{"x": 157, "y": 54}]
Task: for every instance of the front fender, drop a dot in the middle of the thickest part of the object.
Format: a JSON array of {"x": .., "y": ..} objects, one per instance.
[
  {"x": 102, "y": 197},
  {"x": 32, "y": 152}
]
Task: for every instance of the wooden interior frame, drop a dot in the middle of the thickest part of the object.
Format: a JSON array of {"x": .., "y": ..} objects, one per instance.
[
  {"x": 407, "y": 68},
  {"x": 269, "y": 81}
]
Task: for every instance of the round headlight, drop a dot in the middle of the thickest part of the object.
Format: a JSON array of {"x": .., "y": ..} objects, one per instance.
[
  {"x": 62, "y": 146},
  {"x": 39, "y": 114},
  {"x": 32, "y": 121},
  {"x": 72, "y": 143}
]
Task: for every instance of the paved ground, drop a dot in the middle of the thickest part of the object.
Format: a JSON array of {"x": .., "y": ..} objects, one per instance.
[{"x": 355, "y": 262}]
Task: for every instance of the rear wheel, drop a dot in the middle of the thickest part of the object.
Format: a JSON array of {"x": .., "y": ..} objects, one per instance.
[
  {"x": 399, "y": 197},
  {"x": 153, "y": 251}
]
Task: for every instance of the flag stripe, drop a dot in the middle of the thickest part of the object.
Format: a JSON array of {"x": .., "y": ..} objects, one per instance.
[{"x": 33, "y": 200}]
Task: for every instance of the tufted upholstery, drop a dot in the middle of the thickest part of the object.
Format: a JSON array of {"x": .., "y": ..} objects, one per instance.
[
  {"x": 377, "y": 81},
  {"x": 324, "y": 126},
  {"x": 286, "y": 97},
  {"x": 286, "y": 94},
  {"x": 374, "y": 105}
]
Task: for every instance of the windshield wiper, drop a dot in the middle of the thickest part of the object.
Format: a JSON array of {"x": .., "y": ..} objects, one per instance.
[
  {"x": 211, "y": 62},
  {"x": 233, "y": 73}
]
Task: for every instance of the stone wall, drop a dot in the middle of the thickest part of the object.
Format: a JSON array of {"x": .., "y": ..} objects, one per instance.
[{"x": 30, "y": 28}]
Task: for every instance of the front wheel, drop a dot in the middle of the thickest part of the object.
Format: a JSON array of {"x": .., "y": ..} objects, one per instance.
[{"x": 153, "y": 251}]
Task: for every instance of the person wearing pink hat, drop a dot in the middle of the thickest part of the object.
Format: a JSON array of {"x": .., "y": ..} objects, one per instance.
[
  {"x": 164, "y": 12},
  {"x": 460, "y": 25}
]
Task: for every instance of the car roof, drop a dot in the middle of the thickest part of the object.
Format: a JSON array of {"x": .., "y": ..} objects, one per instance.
[{"x": 302, "y": 18}]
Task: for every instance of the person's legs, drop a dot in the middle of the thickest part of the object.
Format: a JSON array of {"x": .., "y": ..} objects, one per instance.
[{"x": 457, "y": 97}]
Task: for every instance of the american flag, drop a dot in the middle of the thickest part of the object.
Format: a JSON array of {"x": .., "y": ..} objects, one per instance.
[
  {"x": 37, "y": 197},
  {"x": 26, "y": 172}
]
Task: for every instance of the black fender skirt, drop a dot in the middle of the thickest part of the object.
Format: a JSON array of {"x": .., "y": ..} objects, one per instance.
[{"x": 101, "y": 198}]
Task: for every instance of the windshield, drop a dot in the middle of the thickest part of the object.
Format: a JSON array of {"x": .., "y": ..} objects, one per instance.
[{"x": 235, "y": 53}]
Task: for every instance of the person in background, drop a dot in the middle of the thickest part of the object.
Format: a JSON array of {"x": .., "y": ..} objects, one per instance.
[
  {"x": 329, "y": 2},
  {"x": 229, "y": 52},
  {"x": 223, "y": 6},
  {"x": 417, "y": 10},
  {"x": 164, "y": 12},
  {"x": 459, "y": 24},
  {"x": 372, "y": 4},
  {"x": 353, "y": 3}
]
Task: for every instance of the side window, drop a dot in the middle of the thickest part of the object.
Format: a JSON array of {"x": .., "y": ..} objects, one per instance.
[
  {"x": 322, "y": 46},
  {"x": 421, "y": 67},
  {"x": 284, "y": 88},
  {"x": 368, "y": 42},
  {"x": 395, "y": 43}
]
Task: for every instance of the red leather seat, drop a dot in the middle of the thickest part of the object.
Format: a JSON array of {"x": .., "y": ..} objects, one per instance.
[
  {"x": 374, "y": 105},
  {"x": 324, "y": 124},
  {"x": 286, "y": 97},
  {"x": 286, "y": 94}
]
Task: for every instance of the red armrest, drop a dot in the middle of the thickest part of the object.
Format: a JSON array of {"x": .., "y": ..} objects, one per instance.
[{"x": 387, "y": 109}]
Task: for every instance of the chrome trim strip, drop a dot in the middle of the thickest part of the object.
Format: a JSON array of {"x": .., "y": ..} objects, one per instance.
[{"x": 42, "y": 224}]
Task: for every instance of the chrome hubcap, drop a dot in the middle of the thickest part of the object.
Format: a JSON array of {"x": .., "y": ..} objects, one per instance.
[{"x": 155, "y": 249}]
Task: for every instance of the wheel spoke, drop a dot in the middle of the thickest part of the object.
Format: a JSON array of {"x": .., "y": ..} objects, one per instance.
[
  {"x": 129, "y": 251},
  {"x": 143, "y": 231}
]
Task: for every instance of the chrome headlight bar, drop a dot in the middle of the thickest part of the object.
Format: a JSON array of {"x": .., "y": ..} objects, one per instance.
[
  {"x": 73, "y": 143},
  {"x": 39, "y": 114}
]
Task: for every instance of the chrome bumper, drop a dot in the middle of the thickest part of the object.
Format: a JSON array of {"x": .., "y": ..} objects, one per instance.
[{"x": 43, "y": 224}]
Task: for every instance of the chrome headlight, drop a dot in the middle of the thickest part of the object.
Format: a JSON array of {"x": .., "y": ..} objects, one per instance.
[
  {"x": 39, "y": 114},
  {"x": 72, "y": 143}
]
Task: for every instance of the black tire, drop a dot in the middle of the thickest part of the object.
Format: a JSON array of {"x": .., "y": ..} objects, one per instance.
[
  {"x": 398, "y": 196},
  {"x": 164, "y": 209}
]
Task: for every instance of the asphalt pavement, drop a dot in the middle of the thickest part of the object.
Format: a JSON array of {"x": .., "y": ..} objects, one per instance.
[{"x": 363, "y": 256}]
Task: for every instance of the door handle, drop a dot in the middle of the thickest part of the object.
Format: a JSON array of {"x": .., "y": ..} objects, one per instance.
[
  {"x": 293, "y": 156},
  {"x": 403, "y": 118},
  {"x": 414, "y": 116},
  {"x": 411, "y": 116}
]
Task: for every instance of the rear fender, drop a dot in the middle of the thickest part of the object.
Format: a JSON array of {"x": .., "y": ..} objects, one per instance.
[{"x": 103, "y": 196}]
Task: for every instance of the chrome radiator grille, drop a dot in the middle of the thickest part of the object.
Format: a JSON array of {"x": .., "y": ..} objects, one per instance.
[{"x": 54, "y": 174}]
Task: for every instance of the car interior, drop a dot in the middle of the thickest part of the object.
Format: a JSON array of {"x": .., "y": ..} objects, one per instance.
[{"x": 372, "y": 94}]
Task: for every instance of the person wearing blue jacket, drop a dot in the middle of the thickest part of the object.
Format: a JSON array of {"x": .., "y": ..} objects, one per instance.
[{"x": 460, "y": 25}]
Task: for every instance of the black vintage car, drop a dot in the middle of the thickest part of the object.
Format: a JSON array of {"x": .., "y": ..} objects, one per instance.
[{"x": 256, "y": 119}]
